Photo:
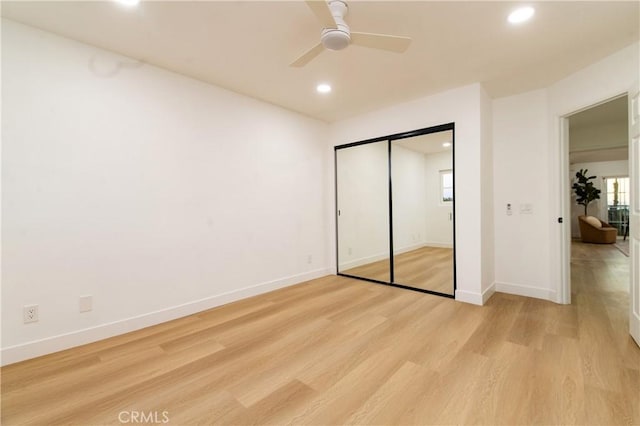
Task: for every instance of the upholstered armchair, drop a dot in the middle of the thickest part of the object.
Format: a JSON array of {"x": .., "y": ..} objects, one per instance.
[{"x": 593, "y": 230}]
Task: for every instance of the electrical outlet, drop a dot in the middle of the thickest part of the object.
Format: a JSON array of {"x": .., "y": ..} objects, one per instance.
[
  {"x": 349, "y": 251},
  {"x": 309, "y": 259},
  {"x": 86, "y": 303},
  {"x": 30, "y": 313}
]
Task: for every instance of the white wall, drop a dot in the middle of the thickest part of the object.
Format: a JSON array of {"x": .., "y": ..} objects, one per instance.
[
  {"x": 409, "y": 198},
  {"x": 520, "y": 164},
  {"x": 527, "y": 160},
  {"x": 462, "y": 106},
  {"x": 600, "y": 169},
  {"x": 155, "y": 193},
  {"x": 439, "y": 227}
]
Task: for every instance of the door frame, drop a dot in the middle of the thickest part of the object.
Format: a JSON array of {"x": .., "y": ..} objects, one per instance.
[{"x": 564, "y": 295}]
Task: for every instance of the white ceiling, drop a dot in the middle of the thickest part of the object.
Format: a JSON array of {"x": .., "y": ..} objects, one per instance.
[
  {"x": 608, "y": 124},
  {"x": 608, "y": 113},
  {"x": 247, "y": 46}
]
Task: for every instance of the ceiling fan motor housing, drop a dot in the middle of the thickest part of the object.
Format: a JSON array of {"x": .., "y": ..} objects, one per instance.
[
  {"x": 337, "y": 38},
  {"x": 333, "y": 39}
]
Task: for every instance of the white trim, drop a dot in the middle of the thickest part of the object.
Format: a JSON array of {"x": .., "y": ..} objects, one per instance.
[
  {"x": 438, "y": 245},
  {"x": 486, "y": 295},
  {"x": 377, "y": 257},
  {"x": 363, "y": 261},
  {"x": 409, "y": 248},
  {"x": 564, "y": 293},
  {"x": 526, "y": 290},
  {"x": 81, "y": 337},
  {"x": 469, "y": 297},
  {"x": 634, "y": 326}
]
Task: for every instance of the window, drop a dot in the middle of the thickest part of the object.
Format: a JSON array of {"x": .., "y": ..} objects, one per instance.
[
  {"x": 446, "y": 186},
  {"x": 617, "y": 196},
  {"x": 617, "y": 191}
]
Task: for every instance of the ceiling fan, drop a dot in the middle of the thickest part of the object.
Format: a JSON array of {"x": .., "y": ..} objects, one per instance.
[{"x": 336, "y": 34}]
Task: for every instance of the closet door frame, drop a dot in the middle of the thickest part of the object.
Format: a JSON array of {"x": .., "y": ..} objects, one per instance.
[{"x": 389, "y": 139}]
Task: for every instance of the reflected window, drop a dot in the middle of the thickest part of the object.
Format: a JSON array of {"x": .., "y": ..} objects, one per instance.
[
  {"x": 618, "y": 203},
  {"x": 446, "y": 186}
]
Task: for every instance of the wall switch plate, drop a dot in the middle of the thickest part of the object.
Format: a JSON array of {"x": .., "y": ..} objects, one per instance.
[
  {"x": 526, "y": 208},
  {"x": 30, "y": 313},
  {"x": 509, "y": 212},
  {"x": 86, "y": 303}
]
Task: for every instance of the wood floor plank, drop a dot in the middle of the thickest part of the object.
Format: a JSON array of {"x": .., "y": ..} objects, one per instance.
[{"x": 396, "y": 398}]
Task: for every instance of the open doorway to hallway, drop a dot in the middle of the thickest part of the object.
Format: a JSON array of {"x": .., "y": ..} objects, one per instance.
[{"x": 598, "y": 143}]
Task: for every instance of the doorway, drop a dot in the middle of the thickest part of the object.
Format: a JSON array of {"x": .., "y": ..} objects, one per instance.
[{"x": 596, "y": 140}]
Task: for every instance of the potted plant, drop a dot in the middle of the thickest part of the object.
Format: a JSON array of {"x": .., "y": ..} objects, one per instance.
[{"x": 584, "y": 189}]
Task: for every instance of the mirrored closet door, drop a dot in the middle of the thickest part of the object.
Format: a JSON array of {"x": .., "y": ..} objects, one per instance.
[
  {"x": 362, "y": 193},
  {"x": 422, "y": 188},
  {"x": 395, "y": 210}
]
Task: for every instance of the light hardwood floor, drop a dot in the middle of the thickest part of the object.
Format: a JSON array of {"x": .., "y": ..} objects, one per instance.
[
  {"x": 342, "y": 351},
  {"x": 428, "y": 268}
]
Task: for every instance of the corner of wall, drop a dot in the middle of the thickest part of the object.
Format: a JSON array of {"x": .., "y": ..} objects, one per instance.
[{"x": 487, "y": 202}]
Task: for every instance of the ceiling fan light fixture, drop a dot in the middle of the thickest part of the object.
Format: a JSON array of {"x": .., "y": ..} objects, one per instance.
[{"x": 521, "y": 15}]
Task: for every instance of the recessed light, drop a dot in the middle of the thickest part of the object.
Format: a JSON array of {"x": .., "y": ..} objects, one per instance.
[
  {"x": 323, "y": 88},
  {"x": 129, "y": 3},
  {"x": 446, "y": 144},
  {"x": 521, "y": 15}
]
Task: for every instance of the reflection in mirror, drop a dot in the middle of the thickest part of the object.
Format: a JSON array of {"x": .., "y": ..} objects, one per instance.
[
  {"x": 362, "y": 173},
  {"x": 422, "y": 188}
]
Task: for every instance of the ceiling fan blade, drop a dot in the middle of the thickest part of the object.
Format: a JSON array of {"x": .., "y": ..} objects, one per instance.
[
  {"x": 320, "y": 8},
  {"x": 381, "y": 41},
  {"x": 308, "y": 56}
]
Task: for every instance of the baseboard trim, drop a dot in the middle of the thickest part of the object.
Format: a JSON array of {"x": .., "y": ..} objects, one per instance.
[
  {"x": 363, "y": 261},
  {"x": 469, "y": 297},
  {"x": 475, "y": 298},
  {"x": 377, "y": 257},
  {"x": 488, "y": 292},
  {"x": 411, "y": 247},
  {"x": 438, "y": 245},
  {"x": 36, "y": 348},
  {"x": 526, "y": 290},
  {"x": 634, "y": 328}
]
